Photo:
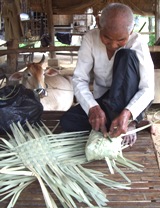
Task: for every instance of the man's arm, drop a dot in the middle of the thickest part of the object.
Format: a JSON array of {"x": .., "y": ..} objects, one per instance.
[
  {"x": 81, "y": 76},
  {"x": 145, "y": 93}
]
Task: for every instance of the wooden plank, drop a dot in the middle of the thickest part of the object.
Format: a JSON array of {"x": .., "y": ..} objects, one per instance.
[
  {"x": 134, "y": 205},
  {"x": 145, "y": 187},
  {"x": 156, "y": 142}
]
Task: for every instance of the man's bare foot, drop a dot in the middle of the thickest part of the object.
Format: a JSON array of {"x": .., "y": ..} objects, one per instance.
[
  {"x": 131, "y": 138},
  {"x": 151, "y": 129}
]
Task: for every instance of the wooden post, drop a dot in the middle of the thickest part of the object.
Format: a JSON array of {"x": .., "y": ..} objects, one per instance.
[
  {"x": 13, "y": 31},
  {"x": 12, "y": 62},
  {"x": 53, "y": 61},
  {"x": 157, "y": 19},
  {"x": 50, "y": 25}
]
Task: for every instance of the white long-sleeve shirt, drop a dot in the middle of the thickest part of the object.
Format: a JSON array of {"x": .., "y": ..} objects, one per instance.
[{"x": 93, "y": 56}]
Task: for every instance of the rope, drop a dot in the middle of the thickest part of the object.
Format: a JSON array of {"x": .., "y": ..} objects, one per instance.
[{"x": 7, "y": 97}]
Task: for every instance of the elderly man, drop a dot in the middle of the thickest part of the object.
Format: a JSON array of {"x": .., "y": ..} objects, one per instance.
[{"x": 123, "y": 70}]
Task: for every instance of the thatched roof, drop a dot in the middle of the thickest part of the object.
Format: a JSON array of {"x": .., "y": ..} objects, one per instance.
[{"x": 143, "y": 7}]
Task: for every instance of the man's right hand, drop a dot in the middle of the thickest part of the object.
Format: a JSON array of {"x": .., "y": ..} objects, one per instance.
[{"x": 97, "y": 119}]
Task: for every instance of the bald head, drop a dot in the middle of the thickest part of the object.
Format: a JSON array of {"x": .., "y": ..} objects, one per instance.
[{"x": 117, "y": 16}]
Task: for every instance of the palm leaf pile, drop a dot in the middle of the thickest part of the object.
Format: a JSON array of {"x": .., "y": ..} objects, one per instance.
[{"x": 56, "y": 161}]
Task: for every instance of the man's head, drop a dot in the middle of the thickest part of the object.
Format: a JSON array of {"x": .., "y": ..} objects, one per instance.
[{"x": 116, "y": 24}]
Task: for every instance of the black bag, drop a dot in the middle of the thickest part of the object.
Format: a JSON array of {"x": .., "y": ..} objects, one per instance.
[
  {"x": 45, "y": 40},
  {"x": 18, "y": 104}
]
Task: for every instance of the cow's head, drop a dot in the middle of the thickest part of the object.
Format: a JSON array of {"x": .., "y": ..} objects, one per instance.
[{"x": 33, "y": 77}]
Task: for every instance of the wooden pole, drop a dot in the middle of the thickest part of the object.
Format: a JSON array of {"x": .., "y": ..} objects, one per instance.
[
  {"x": 12, "y": 57},
  {"x": 12, "y": 32},
  {"x": 50, "y": 25},
  {"x": 157, "y": 19}
]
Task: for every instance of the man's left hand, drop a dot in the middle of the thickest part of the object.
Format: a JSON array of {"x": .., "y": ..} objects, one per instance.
[{"x": 120, "y": 124}]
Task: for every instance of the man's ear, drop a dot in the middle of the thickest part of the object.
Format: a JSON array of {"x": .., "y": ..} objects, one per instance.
[
  {"x": 131, "y": 32},
  {"x": 97, "y": 21}
]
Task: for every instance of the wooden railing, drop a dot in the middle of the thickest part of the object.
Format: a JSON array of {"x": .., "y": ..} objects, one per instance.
[{"x": 44, "y": 49}]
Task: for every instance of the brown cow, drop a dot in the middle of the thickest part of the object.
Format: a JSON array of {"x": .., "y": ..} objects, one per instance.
[{"x": 55, "y": 90}]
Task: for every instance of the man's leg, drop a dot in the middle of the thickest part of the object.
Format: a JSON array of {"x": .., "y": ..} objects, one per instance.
[
  {"x": 124, "y": 84},
  {"x": 75, "y": 119}
]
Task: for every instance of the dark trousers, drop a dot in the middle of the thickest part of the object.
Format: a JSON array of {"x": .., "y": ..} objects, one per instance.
[{"x": 124, "y": 86}]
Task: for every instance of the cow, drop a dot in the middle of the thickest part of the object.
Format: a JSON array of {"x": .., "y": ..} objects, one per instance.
[
  {"x": 55, "y": 90},
  {"x": 3, "y": 46}
]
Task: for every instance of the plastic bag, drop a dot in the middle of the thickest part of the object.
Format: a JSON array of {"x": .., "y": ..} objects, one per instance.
[{"x": 18, "y": 104}]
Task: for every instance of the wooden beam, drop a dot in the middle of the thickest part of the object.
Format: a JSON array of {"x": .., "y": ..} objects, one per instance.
[
  {"x": 154, "y": 48},
  {"x": 45, "y": 49},
  {"x": 54, "y": 48}
]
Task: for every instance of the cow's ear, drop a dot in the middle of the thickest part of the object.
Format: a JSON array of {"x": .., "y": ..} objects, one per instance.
[
  {"x": 17, "y": 76},
  {"x": 51, "y": 72}
]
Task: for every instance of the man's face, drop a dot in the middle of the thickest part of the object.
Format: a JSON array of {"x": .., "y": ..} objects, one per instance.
[{"x": 114, "y": 40}]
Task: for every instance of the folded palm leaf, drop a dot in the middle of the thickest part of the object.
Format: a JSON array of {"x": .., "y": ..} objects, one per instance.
[{"x": 55, "y": 160}]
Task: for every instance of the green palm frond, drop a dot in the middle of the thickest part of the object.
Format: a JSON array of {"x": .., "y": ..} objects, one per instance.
[
  {"x": 99, "y": 148},
  {"x": 56, "y": 161}
]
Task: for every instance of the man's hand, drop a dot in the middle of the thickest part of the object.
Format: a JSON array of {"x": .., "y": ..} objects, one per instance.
[
  {"x": 120, "y": 124},
  {"x": 97, "y": 119}
]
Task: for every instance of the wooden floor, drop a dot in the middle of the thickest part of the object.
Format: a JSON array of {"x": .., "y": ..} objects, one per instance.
[{"x": 145, "y": 188}]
